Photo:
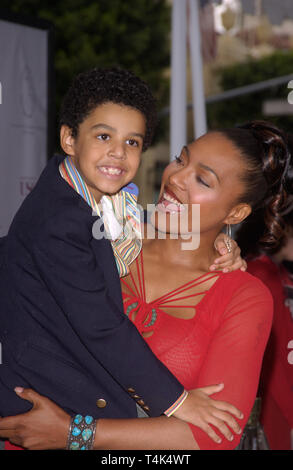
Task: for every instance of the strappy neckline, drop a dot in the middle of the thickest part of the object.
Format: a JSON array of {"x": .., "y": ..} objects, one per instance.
[{"x": 139, "y": 290}]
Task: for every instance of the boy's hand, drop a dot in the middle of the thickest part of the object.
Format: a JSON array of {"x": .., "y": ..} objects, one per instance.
[
  {"x": 201, "y": 411},
  {"x": 228, "y": 261}
]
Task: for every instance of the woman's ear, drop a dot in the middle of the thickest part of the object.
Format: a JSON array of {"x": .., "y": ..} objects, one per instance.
[
  {"x": 238, "y": 214},
  {"x": 67, "y": 140}
]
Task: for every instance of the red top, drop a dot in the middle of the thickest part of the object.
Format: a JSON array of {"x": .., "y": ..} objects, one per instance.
[
  {"x": 277, "y": 372},
  {"x": 224, "y": 340}
]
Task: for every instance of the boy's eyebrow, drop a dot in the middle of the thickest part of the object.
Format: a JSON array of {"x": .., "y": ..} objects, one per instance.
[
  {"x": 105, "y": 126},
  {"x": 101, "y": 125}
]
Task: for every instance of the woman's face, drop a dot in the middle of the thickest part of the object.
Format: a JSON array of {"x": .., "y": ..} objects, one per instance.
[{"x": 207, "y": 173}]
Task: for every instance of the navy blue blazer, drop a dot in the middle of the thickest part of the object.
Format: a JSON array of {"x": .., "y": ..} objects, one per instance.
[{"x": 62, "y": 326}]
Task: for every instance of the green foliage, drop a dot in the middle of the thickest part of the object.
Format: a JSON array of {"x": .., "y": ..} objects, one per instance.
[
  {"x": 132, "y": 34},
  {"x": 244, "y": 108}
]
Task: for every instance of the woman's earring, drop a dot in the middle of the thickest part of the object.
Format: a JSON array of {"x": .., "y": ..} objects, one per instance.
[{"x": 228, "y": 240}]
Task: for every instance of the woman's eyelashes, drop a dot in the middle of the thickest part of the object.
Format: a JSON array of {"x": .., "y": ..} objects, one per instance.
[
  {"x": 179, "y": 160},
  {"x": 201, "y": 181}
]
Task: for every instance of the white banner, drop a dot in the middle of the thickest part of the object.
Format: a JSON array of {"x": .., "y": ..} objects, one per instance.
[{"x": 23, "y": 114}]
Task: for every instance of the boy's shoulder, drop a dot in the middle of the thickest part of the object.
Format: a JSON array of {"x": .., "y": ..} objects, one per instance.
[{"x": 52, "y": 201}]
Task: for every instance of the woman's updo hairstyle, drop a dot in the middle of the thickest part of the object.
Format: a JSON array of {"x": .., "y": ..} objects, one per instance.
[{"x": 267, "y": 178}]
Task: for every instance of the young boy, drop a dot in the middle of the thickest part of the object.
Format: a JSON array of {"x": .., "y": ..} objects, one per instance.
[{"x": 63, "y": 330}]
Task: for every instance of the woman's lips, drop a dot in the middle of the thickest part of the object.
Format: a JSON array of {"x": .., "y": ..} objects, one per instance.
[{"x": 169, "y": 203}]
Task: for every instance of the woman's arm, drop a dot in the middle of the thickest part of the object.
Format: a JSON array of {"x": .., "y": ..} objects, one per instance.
[
  {"x": 170, "y": 433},
  {"x": 236, "y": 352},
  {"x": 147, "y": 434},
  {"x": 46, "y": 425}
]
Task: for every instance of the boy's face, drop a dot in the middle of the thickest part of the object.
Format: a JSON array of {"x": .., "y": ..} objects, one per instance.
[{"x": 107, "y": 148}]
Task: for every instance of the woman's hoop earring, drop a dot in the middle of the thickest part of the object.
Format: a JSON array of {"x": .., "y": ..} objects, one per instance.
[
  {"x": 229, "y": 230},
  {"x": 228, "y": 241}
]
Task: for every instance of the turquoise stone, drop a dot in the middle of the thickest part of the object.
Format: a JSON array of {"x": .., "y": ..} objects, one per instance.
[
  {"x": 153, "y": 318},
  {"x": 78, "y": 419},
  {"x": 131, "y": 307},
  {"x": 86, "y": 434},
  {"x": 76, "y": 431},
  {"x": 83, "y": 448},
  {"x": 74, "y": 446},
  {"x": 88, "y": 419}
]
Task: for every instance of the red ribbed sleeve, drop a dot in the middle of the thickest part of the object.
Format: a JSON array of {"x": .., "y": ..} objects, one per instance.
[{"x": 235, "y": 353}]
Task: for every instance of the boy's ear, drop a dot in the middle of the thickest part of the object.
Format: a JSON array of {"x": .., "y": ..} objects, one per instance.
[
  {"x": 67, "y": 140},
  {"x": 238, "y": 214}
]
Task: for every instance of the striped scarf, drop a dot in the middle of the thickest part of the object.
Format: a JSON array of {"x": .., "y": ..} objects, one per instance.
[{"x": 120, "y": 214}]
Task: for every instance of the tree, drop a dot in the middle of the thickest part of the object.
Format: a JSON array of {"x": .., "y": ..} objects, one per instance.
[
  {"x": 132, "y": 34},
  {"x": 244, "y": 108}
]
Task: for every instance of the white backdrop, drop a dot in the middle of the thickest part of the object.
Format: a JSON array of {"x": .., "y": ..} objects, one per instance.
[{"x": 23, "y": 114}]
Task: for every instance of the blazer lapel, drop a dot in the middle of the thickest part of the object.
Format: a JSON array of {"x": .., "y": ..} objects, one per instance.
[{"x": 106, "y": 260}]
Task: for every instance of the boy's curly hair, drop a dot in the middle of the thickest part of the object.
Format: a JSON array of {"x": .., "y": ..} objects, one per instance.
[{"x": 98, "y": 86}]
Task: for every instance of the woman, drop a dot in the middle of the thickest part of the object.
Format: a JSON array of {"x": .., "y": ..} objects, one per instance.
[
  {"x": 271, "y": 266},
  {"x": 207, "y": 328}
]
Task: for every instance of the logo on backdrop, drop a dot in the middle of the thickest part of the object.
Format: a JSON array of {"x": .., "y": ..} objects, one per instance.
[
  {"x": 28, "y": 97},
  {"x": 26, "y": 185}
]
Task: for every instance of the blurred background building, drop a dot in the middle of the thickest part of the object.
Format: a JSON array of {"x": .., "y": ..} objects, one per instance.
[{"x": 243, "y": 43}]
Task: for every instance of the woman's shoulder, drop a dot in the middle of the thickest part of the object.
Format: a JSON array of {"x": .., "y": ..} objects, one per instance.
[
  {"x": 239, "y": 297},
  {"x": 240, "y": 280},
  {"x": 242, "y": 288}
]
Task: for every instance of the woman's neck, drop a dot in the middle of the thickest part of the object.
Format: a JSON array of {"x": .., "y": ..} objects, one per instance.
[{"x": 174, "y": 251}]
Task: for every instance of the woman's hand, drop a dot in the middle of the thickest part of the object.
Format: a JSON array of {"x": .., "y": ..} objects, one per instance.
[
  {"x": 45, "y": 426},
  {"x": 202, "y": 411},
  {"x": 228, "y": 261}
]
